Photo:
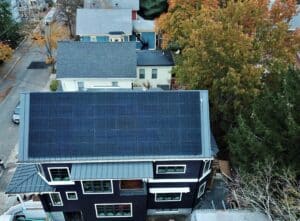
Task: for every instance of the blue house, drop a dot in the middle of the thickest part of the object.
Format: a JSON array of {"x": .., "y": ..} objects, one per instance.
[
  {"x": 114, "y": 155},
  {"x": 114, "y": 25}
]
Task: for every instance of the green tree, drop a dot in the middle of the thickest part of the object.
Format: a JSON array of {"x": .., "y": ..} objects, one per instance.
[
  {"x": 150, "y": 9},
  {"x": 9, "y": 29},
  {"x": 272, "y": 127}
]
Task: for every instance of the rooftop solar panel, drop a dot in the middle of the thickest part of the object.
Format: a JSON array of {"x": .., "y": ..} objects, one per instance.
[{"x": 70, "y": 125}]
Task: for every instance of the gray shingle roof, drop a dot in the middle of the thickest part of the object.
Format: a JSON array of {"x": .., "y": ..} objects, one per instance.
[
  {"x": 116, "y": 4},
  {"x": 128, "y": 170},
  {"x": 102, "y": 21},
  {"x": 114, "y": 125},
  {"x": 154, "y": 58},
  {"x": 27, "y": 180},
  {"x": 96, "y": 60}
]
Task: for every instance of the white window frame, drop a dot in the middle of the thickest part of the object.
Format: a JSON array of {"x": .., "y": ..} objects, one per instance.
[
  {"x": 115, "y": 84},
  {"x": 62, "y": 203},
  {"x": 175, "y": 165},
  {"x": 140, "y": 69},
  {"x": 93, "y": 38},
  {"x": 60, "y": 181},
  {"x": 201, "y": 190},
  {"x": 111, "y": 183},
  {"x": 206, "y": 162},
  {"x": 152, "y": 73},
  {"x": 156, "y": 200},
  {"x": 108, "y": 204},
  {"x": 67, "y": 196}
]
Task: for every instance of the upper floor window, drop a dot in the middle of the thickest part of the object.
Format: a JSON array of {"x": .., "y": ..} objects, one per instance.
[
  {"x": 59, "y": 173},
  {"x": 131, "y": 184},
  {"x": 93, "y": 38},
  {"x": 170, "y": 169},
  {"x": 56, "y": 199},
  {"x": 80, "y": 86},
  {"x": 142, "y": 73},
  {"x": 206, "y": 166},
  {"x": 154, "y": 73},
  {"x": 167, "y": 197},
  {"x": 114, "y": 84},
  {"x": 72, "y": 195},
  {"x": 97, "y": 187},
  {"x": 201, "y": 189}
]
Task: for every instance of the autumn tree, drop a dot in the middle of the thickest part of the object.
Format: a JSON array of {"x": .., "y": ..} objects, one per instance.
[
  {"x": 68, "y": 9},
  {"x": 5, "y": 52},
  {"x": 273, "y": 191},
  {"x": 231, "y": 48},
  {"x": 48, "y": 39}
]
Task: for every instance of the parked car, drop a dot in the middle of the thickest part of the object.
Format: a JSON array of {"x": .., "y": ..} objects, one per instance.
[
  {"x": 29, "y": 211},
  {"x": 16, "y": 114}
]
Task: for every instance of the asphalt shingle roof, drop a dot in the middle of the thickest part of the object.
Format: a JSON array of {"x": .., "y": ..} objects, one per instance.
[
  {"x": 103, "y": 21},
  {"x": 114, "y": 125},
  {"x": 96, "y": 60},
  {"x": 27, "y": 180},
  {"x": 154, "y": 58},
  {"x": 116, "y": 4}
]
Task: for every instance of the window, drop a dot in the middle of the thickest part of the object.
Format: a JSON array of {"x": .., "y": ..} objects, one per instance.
[
  {"x": 59, "y": 174},
  {"x": 154, "y": 73},
  {"x": 170, "y": 169},
  {"x": 97, "y": 186},
  {"x": 113, "y": 210},
  {"x": 131, "y": 184},
  {"x": 201, "y": 189},
  {"x": 206, "y": 166},
  {"x": 142, "y": 73},
  {"x": 93, "y": 39},
  {"x": 56, "y": 199},
  {"x": 71, "y": 195},
  {"x": 167, "y": 197},
  {"x": 80, "y": 86},
  {"x": 114, "y": 84}
]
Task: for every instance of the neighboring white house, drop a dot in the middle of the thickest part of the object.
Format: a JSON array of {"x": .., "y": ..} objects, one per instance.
[
  {"x": 85, "y": 66},
  {"x": 154, "y": 68}
]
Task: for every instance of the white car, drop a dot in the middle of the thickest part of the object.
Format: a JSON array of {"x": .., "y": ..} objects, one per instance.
[
  {"x": 29, "y": 211},
  {"x": 16, "y": 114}
]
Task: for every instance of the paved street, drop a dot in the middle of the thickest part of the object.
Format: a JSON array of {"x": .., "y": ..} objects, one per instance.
[{"x": 14, "y": 79}]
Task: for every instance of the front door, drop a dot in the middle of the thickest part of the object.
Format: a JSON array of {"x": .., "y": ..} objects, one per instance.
[{"x": 73, "y": 216}]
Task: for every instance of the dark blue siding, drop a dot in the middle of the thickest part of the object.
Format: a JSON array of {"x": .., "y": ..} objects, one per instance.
[{"x": 85, "y": 202}]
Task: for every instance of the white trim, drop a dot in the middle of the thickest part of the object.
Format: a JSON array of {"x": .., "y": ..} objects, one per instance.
[
  {"x": 204, "y": 175},
  {"x": 170, "y": 190},
  {"x": 169, "y": 165},
  {"x": 59, "y": 183},
  {"x": 205, "y": 164},
  {"x": 56, "y": 161},
  {"x": 155, "y": 198},
  {"x": 167, "y": 211},
  {"x": 67, "y": 192},
  {"x": 50, "y": 175},
  {"x": 50, "y": 195},
  {"x": 104, "y": 204},
  {"x": 199, "y": 194},
  {"x": 192, "y": 180},
  {"x": 111, "y": 184}
]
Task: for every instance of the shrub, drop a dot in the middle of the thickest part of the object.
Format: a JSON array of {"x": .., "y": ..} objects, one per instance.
[{"x": 54, "y": 85}]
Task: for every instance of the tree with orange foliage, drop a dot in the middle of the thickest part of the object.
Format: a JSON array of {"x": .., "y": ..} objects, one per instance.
[
  {"x": 5, "y": 52},
  {"x": 48, "y": 39},
  {"x": 232, "y": 49}
]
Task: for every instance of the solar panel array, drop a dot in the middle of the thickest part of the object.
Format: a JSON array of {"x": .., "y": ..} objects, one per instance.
[{"x": 114, "y": 124}]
